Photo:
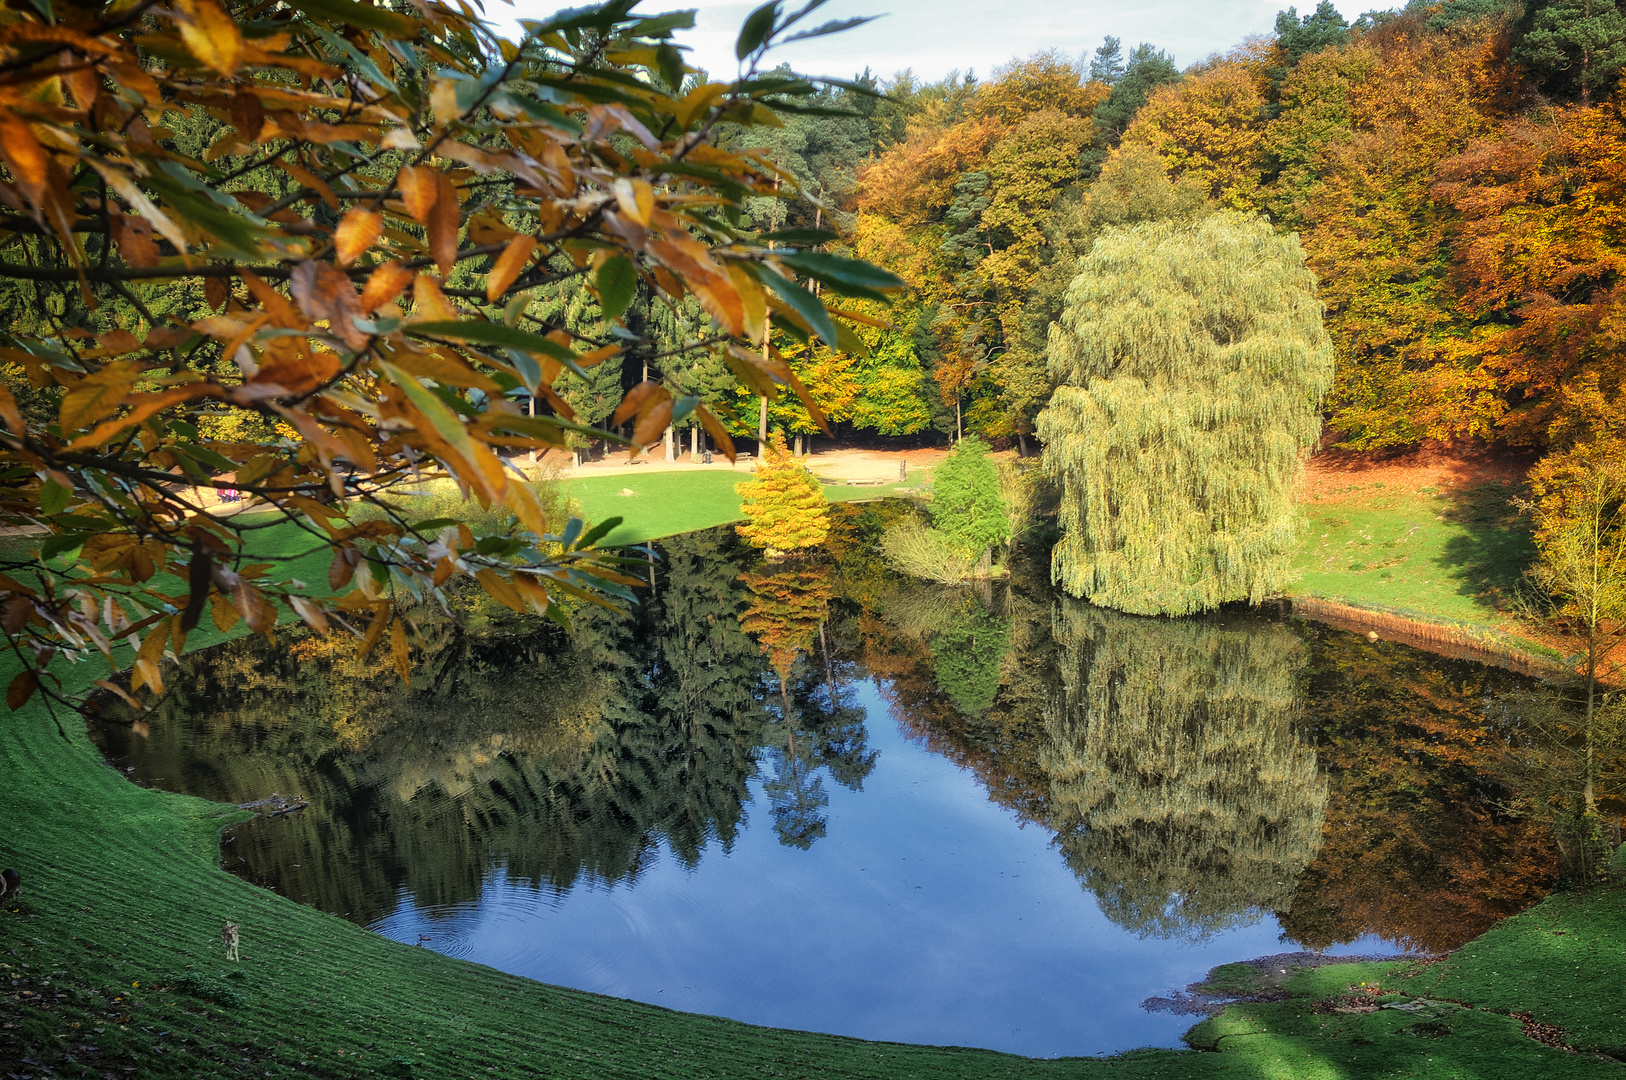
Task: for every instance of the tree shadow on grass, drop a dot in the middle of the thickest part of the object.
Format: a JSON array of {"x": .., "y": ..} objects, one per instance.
[{"x": 1496, "y": 546}]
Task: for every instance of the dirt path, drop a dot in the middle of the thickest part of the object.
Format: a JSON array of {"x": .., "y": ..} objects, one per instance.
[
  {"x": 851, "y": 466},
  {"x": 1332, "y": 473}
]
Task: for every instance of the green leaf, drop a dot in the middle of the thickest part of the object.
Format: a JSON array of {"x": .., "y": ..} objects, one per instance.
[
  {"x": 849, "y": 276},
  {"x": 834, "y": 26},
  {"x": 440, "y": 417},
  {"x": 758, "y": 25},
  {"x": 365, "y": 16},
  {"x": 659, "y": 26},
  {"x": 53, "y": 546},
  {"x": 527, "y": 367},
  {"x": 617, "y": 285},
  {"x": 54, "y": 498},
  {"x": 683, "y": 407},
  {"x": 599, "y": 532},
  {"x": 670, "y": 62},
  {"x": 804, "y": 304},
  {"x": 490, "y": 333},
  {"x": 573, "y": 529}
]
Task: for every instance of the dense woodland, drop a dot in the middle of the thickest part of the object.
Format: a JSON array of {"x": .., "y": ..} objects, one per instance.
[{"x": 1450, "y": 169}]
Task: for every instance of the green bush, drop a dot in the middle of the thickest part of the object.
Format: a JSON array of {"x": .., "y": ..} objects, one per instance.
[
  {"x": 930, "y": 554},
  {"x": 966, "y": 502}
]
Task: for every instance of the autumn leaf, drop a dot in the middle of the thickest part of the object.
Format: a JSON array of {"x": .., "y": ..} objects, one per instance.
[
  {"x": 358, "y": 230},
  {"x": 445, "y": 215},
  {"x": 510, "y": 264},
  {"x": 419, "y": 189},
  {"x": 211, "y": 35}
]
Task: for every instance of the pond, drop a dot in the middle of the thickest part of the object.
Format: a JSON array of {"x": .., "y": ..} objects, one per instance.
[{"x": 816, "y": 795}]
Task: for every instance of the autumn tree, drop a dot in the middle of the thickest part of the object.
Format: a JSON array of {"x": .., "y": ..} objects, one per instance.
[
  {"x": 784, "y": 506},
  {"x": 1191, "y": 363},
  {"x": 1208, "y": 128},
  {"x": 1580, "y": 508},
  {"x": 382, "y": 195}
]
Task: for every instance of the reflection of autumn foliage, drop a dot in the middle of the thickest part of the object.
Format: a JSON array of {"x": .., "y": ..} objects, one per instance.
[
  {"x": 1417, "y": 846},
  {"x": 785, "y": 611}
]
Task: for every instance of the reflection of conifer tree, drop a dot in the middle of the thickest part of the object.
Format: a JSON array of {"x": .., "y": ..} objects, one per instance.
[
  {"x": 705, "y": 687},
  {"x": 1179, "y": 792},
  {"x": 968, "y": 642}
]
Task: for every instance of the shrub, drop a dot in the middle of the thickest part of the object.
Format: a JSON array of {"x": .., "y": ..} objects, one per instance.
[
  {"x": 784, "y": 506},
  {"x": 930, "y": 554},
  {"x": 966, "y": 502}
]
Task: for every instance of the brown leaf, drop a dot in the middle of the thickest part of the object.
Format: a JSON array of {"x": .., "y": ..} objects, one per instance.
[
  {"x": 143, "y": 406},
  {"x": 510, "y": 264},
  {"x": 652, "y": 422},
  {"x": 97, "y": 395},
  {"x": 210, "y": 35},
  {"x": 133, "y": 236},
  {"x": 639, "y": 399},
  {"x": 326, "y": 293},
  {"x": 419, "y": 190},
  {"x": 309, "y": 179},
  {"x": 357, "y": 231},
  {"x": 383, "y": 285},
  {"x": 299, "y": 370},
  {"x": 247, "y": 115},
  {"x": 283, "y": 314},
  {"x": 443, "y": 222},
  {"x": 343, "y": 567},
  {"x": 216, "y": 292},
  {"x": 24, "y": 156},
  {"x": 9, "y": 412},
  {"x": 430, "y": 301},
  {"x": 21, "y": 689},
  {"x": 715, "y": 429}
]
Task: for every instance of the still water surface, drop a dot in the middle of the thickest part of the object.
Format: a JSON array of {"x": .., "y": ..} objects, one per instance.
[{"x": 824, "y": 798}]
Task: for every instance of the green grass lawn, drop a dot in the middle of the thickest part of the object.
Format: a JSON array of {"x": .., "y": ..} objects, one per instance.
[
  {"x": 668, "y": 503},
  {"x": 1455, "y": 556}
]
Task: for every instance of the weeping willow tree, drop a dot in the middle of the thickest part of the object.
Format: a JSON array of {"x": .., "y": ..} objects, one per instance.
[
  {"x": 1179, "y": 793},
  {"x": 1191, "y": 363}
]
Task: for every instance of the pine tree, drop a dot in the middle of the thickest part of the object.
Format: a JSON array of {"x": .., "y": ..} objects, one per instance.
[
  {"x": 966, "y": 503},
  {"x": 784, "y": 505},
  {"x": 1574, "y": 47},
  {"x": 1192, "y": 363}
]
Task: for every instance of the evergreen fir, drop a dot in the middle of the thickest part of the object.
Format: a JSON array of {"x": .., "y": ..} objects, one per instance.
[
  {"x": 966, "y": 503},
  {"x": 1192, "y": 362},
  {"x": 1574, "y": 48},
  {"x": 784, "y": 506}
]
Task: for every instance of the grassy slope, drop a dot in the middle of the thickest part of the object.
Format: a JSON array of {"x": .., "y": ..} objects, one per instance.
[
  {"x": 1447, "y": 556},
  {"x": 668, "y": 503}
]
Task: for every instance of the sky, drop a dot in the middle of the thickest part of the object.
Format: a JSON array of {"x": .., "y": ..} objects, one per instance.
[{"x": 934, "y": 37}]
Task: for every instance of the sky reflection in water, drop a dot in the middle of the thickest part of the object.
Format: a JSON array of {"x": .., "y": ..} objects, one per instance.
[{"x": 927, "y": 914}]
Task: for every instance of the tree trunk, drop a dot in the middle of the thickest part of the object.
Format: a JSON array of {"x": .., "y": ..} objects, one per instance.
[
  {"x": 798, "y": 446},
  {"x": 671, "y": 450},
  {"x": 1021, "y": 445},
  {"x": 694, "y": 445}
]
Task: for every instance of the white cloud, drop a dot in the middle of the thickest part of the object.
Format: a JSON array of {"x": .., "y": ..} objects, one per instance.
[{"x": 934, "y": 38}]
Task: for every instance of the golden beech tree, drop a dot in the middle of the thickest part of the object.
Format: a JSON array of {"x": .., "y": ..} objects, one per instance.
[{"x": 377, "y": 194}]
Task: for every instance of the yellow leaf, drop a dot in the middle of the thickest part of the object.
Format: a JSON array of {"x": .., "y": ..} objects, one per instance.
[
  {"x": 210, "y": 35},
  {"x": 419, "y": 191},
  {"x": 443, "y": 101},
  {"x": 398, "y": 651},
  {"x": 510, "y": 264},
  {"x": 97, "y": 395},
  {"x": 357, "y": 231},
  {"x": 636, "y": 199}
]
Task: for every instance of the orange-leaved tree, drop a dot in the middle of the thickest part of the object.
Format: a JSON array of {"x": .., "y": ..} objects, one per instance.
[
  {"x": 327, "y": 219},
  {"x": 784, "y": 506}
]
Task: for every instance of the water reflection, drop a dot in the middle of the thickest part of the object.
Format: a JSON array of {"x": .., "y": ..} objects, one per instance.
[
  {"x": 1192, "y": 776},
  {"x": 1180, "y": 792}
]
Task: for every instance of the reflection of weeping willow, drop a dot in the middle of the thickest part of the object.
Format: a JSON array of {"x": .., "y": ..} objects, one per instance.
[{"x": 1178, "y": 791}]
